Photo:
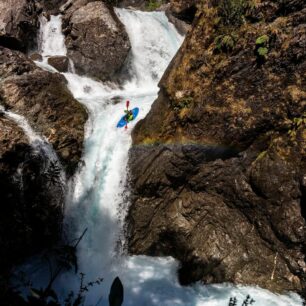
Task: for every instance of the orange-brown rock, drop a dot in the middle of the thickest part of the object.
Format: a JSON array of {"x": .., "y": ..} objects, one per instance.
[{"x": 218, "y": 165}]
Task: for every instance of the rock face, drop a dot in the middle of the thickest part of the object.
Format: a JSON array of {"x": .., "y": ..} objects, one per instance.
[
  {"x": 51, "y": 6},
  {"x": 60, "y": 63},
  {"x": 96, "y": 40},
  {"x": 30, "y": 215},
  {"x": 31, "y": 185},
  {"x": 43, "y": 98},
  {"x": 218, "y": 166},
  {"x": 36, "y": 57},
  {"x": 18, "y": 24},
  {"x": 184, "y": 9}
]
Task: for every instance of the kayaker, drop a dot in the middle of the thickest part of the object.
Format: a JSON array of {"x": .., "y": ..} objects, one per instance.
[{"x": 129, "y": 114}]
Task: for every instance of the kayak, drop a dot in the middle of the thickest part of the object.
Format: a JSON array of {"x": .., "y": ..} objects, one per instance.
[{"x": 122, "y": 121}]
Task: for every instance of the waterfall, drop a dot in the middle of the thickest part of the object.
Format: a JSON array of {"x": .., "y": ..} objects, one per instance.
[
  {"x": 51, "y": 42},
  {"x": 97, "y": 200},
  {"x": 40, "y": 145}
]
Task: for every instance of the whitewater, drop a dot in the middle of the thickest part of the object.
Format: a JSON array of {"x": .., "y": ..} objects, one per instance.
[{"x": 98, "y": 194}]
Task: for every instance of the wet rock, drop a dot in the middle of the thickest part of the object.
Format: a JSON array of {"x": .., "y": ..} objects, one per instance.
[
  {"x": 36, "y": 57},
  {"x": 18, "y": 24},
  {"x": 32, "y": 183},
  {"x": 60, "y": 63},
  {"x": 231, "y": 205},
  {"x": 139, "y": 4},
  {"x": 30, "y": 215},
  {"x": 96, "y": 39},
  {"x": 184, "y": 9},
  {"x": 51, "y": 7},
  {"x": 181, "y": 26},
  {"x": 43, "y": 98}
]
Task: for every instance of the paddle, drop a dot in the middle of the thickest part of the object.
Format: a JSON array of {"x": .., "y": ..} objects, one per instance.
[{"x": 127, "y": 108}]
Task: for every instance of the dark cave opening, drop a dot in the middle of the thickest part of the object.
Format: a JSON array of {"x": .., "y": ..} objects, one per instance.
[{"x": 10, "y": 43}]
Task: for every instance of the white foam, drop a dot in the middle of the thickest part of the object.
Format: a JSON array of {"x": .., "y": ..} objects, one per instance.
[
  {"x": 52, "y": 41},
  {"x": 97, "y": 200}
]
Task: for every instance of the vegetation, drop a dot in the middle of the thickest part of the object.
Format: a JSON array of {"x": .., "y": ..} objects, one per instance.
[
  {"x": 297, "y": 124},
  {"x": 61, "y": 259},
  {"x": 231, "y": 16},
  {"x": 152, "y": 5},
  {"x": 183, "y": 103},
  {"x": 225, "y": 43},
  {"x": 262, "y": 46},
  {"x": 232, "y": 11}
]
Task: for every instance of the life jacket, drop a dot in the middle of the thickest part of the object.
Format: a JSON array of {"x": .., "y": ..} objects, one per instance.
[{"x": 129, "y": 115}]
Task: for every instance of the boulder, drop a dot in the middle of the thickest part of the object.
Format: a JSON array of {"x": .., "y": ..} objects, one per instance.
[
  {"x": 184, "y": 9},
  {"x": 32, "y": 179},
  {"x": 30, "y": 214},
  {"x": 182, "y": 26},
  {"x": 32, "y": 197},
  {"x": 51, "y": 7},
  {"x": 218, "y": 165},
  {"x": 18, "y": 24},
  {"x": 36, "y": 57},
  {"x": 60, "y": 63},
  {"x": 44, "y": 99},
  {"x": 95, "y": 38}
]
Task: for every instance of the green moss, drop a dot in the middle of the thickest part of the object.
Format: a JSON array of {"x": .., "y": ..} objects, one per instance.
[
  {"x": 262, "y": 46},
  {"x": 263, "y": 51},
  {"x": 262, "y": 40},
  {"x": 152, "y": 5}
]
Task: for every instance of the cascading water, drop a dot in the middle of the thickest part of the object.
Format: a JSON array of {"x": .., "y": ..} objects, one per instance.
[
  {"x": 97, "y": 200},
  {"x": 39, "y": 144},
  {"x": 52, "y": 42}
]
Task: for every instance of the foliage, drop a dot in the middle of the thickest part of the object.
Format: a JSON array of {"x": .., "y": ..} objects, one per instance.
[
  {"x": 262, "y": 40},
  {"x": 183, "y": 103},
  {"x": 248, "y": 301},
  {"x": 152, "y": 5},
  {"x": 225, "y": 43},
  {"x": 263, "y": 51},
  {"x": 295, "y": 125},
  {"x": 232, "y": 11},
  {"x": 64, "y": 259},
  {"x": 262, "y": 47}
]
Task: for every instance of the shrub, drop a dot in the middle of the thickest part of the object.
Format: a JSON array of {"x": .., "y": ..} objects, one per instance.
[
  {"x": 152, "y": 5},
  {"x": 225, "y": 43},
  {"x": 262, "y": 47},
  {"x": 232, "y": 11},
  {"x": 60, "y": 259}
]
